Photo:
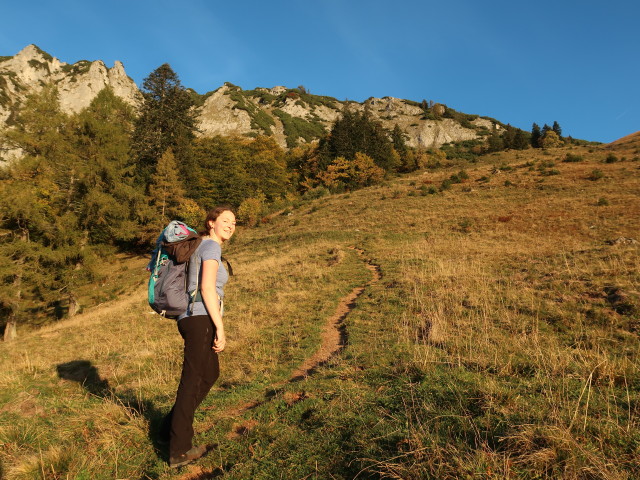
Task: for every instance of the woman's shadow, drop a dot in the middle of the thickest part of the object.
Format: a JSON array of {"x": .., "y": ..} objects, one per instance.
[{"x": 83, "y": 372}]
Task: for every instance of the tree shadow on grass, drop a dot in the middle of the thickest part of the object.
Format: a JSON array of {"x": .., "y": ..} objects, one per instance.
[{"x": 86, "y": 374}]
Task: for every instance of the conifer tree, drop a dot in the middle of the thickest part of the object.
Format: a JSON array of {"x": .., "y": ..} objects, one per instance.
[
  {"x": 520, "y": 140},
  {"x": 166, "y": 121},
  {"x": 166, "y": 189},
  {"x": 108, "y": 202},
  {"x": 556, "y": 128},
  {"x": 508, "y": 137},
  {"x": 36, "y": 207},
  {"x": 357, "y": 132},
  {"x": 535, "y": 136}
]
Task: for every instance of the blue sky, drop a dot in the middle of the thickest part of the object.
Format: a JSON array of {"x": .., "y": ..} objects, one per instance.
[{"x": 575, "y": 62}]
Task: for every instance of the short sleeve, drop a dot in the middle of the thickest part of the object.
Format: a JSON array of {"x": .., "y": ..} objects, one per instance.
[{"x": 211, "y": 250}]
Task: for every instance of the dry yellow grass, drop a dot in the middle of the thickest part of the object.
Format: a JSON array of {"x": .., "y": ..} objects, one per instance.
[{"x": 497, "y": 342}]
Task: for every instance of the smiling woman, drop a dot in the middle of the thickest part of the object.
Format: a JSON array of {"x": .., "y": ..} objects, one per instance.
[{"x": 202, "y": 329}]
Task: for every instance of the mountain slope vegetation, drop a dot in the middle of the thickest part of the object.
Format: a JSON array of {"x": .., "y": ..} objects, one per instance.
[{"x": 501, "y": 340}]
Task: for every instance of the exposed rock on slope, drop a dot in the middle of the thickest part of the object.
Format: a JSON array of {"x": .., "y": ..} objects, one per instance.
[
  {"x": 292, "y": 116},
  {"x": 78, "y": 84}
]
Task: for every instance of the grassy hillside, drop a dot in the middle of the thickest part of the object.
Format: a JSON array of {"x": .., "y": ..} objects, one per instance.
[{"x": 501, "y": 340}]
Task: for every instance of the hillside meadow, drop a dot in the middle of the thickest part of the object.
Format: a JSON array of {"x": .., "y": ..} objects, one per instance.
[{"x": 500, "y": 341}]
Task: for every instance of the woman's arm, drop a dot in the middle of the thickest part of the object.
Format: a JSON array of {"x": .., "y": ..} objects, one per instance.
[{"x": 210, "y": 299}]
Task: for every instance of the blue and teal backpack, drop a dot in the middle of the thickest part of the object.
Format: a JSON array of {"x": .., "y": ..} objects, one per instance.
[{"x": 169, "y": 263}]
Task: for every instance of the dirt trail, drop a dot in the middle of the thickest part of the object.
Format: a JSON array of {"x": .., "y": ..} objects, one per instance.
[
  {"x": 334, "y": 337},
  {"x": 334, "y": 334}
]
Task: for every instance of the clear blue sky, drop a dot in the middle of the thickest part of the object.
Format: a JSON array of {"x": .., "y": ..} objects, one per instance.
[{"x": 572, "y": 61}]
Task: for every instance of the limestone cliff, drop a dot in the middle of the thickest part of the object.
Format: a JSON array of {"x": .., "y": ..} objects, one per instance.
[
  {"x": 292, "y": 116},
  {"x": 78, "y": 84}
]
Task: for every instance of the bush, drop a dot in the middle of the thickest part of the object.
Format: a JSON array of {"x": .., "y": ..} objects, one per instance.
[
  {"x": 572, "y": 157},
  {"x": 251, "y": 210},
  {"x": 611, "y": 158},
  {"x": 464, "y": 225},
  {"x": 314, "y": 193},
  {"x": 602, "y": 202},
  {"x": 595, "y": 175},
  {"x": 445, "y": 185},
  {"x": 424, "y": 190}
]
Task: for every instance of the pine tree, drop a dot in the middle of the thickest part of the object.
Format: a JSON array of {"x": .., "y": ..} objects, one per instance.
[
  {"x": 536, "y": 134},
  {"x": 508, "y": 137},
  {"x": 357, "y": 132},
  {"x": 556, "y": 128},
  {"x": 521, "y": 140},
  {"x": 166, "y": 121},
  {"x": 495, "y": 142}
]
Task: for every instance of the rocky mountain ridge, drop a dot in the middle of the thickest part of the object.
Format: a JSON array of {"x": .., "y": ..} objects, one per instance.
[{"x": 292, "y": 116}]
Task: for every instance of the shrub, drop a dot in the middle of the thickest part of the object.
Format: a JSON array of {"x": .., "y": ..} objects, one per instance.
[
  {"x": 595, "y": 174},
  {"x": 424, "y": 190},
  {"x": 611, "y": 158},
  {"x": 314, "y": 193},
  {"x": 251, "y": 209},
  {"x": 572, "y": 157},
  {"x": 464, "y": 225},
  {"x": 602, "y": 202},
  {"x": 446, "y": 184}
]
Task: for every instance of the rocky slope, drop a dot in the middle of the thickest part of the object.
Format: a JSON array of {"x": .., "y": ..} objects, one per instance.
[
  {"x": 290, "y": 115},
  {"x": 78, "y": 84}
]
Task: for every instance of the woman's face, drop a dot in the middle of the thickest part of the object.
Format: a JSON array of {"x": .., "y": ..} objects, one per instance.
[{"x": 224, "y": 226}]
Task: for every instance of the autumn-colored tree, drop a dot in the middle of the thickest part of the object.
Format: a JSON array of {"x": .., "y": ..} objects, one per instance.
[
  {"x": 39, "y": 240},
  {"x": 109, "y": 206},
  {"x": 230, "y": 170},
  {"x": 166, "y": 188},
  {"x": 351, "y": 174},
  {"x": 251, "y": 209},
  {"x": 267, "y": 168},
  {"x": 550, "y": 139}
]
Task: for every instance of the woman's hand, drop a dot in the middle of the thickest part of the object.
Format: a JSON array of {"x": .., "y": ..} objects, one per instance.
[{"x": 219, "y": 342}]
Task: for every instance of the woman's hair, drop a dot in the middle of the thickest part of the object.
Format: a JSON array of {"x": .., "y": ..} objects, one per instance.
[{"x": 213, "y": 216}]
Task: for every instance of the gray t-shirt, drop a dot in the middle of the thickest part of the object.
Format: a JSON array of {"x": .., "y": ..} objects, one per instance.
[{"x": 208, "y": 250}]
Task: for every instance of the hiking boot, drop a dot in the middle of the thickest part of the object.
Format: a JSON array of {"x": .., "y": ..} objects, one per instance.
[{"x": 193, "y": 454}]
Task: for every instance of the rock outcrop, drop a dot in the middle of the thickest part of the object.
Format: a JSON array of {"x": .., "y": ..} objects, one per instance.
[
  {"x": 290, "y": 115},
  {"x": 78, "y": 84}
]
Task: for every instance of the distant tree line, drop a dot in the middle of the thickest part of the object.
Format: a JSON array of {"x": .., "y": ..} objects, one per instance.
[{"x": 547, "y": 136}]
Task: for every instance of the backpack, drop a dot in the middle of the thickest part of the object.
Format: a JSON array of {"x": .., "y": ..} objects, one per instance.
[{"x": 169, "y": 266}]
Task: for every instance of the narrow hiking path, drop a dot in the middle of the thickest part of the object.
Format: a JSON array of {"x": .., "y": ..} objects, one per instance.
[
  {"x": 334, "y": 335},
  {"x": 333, "y": 340}
]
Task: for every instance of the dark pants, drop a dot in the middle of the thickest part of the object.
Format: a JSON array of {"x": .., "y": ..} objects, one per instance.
[{"x": 200, "y": 370}]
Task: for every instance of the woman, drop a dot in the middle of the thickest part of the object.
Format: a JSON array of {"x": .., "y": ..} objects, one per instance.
[{"x": 202, "y": 329}]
